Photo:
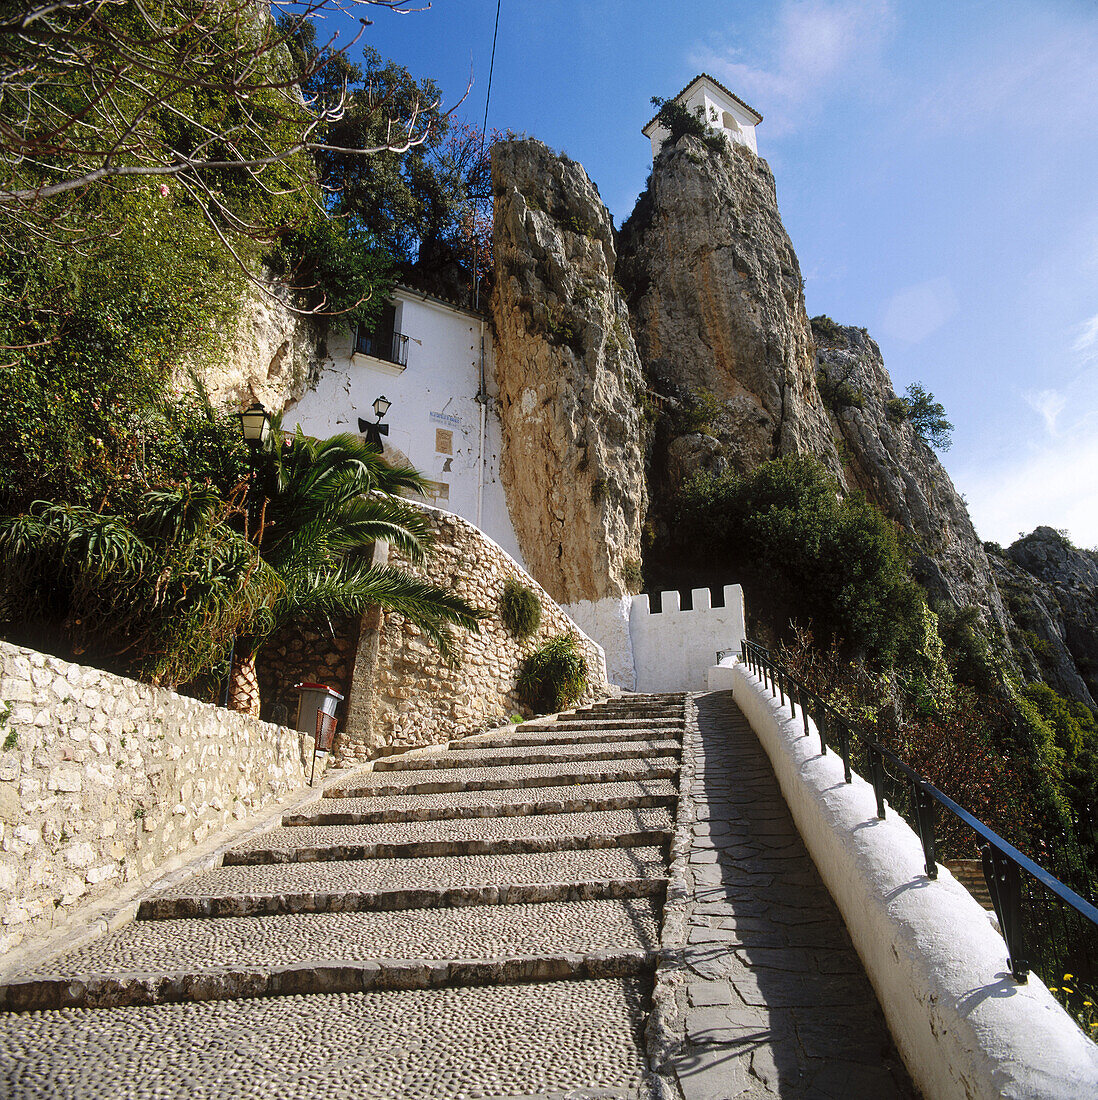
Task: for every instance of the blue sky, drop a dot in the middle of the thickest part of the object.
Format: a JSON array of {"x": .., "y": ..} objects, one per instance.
[{"x": 937, "y": 170}]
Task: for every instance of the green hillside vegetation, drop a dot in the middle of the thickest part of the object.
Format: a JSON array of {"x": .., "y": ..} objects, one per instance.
[{"x": 834, "y": 577}]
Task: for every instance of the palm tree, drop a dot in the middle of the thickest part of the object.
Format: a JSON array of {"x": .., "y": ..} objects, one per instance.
[
  {"x": 161, "y": 592},
  {"x": 171, "y": 589},
  {"x": 325, "y": 504}
]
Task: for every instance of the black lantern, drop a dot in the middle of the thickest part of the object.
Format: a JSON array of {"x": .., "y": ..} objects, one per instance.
[
  {"x": 374, "y": 432},
  {"x": 255, "y": 425}
]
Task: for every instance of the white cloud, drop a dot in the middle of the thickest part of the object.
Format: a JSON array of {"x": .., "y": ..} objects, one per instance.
[
  {"x": 1053, "y": 485},
  {"x": 817, "y": 46},
  {"x": 1035, "y": 57},
  {"x": 916, "y": 312},
  {"x": 1086, "y": 344},
  {"x": 1049, "y": 403}
]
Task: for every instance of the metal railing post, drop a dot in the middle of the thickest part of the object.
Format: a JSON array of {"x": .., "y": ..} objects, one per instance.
[
  {"x": 1005, "y": 887},
  {"x": 876, "y": 774},
  {"x": 844, "y": 749},
  {"x": 924, "y": 817}
]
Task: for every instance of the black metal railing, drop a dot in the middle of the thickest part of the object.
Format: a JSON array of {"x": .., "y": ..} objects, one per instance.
[
  {"x": 390, "y": 346},
  {"x": 1047, "y": 926}
]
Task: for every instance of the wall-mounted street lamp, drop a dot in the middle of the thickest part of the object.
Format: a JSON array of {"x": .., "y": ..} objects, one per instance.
[
  {"x": 255, "y": 425},
  {"x": 374, "y": 432}
]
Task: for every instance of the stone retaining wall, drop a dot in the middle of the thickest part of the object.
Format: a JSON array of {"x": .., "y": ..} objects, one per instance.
[
  {"x": 297, "y": 653},
  {"x": 405, "y": 694},
  {"x": 102, "y": 779}
]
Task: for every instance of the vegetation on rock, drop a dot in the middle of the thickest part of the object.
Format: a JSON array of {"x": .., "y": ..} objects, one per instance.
[
  {"x": 839, "y": 562},
  {"x": 519, "y": 608},
  {"x": 554, "y": 676}
]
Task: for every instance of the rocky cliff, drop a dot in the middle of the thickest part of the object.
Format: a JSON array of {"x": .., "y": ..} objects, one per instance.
[
  {"x": 268, "y": 356},
  {"x": 885, "y": 457},
  {"x": 570, "y": 381},
  {"x": 1051, "y": 592},
  {"x": 718, "y": 310}
]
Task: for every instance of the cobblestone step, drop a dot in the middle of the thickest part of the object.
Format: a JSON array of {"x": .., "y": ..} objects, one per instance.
[
  {"x": 606, "y": 710},
  {"x": 491, "y": 755},
  {"x": 507, "y": 802},
  {"x": 462, "y": 836},
  {"x": 152, "y": 962},
  {"x": 452, "y": 780},
  {"x": 355, "y": 885},
  {"x": 669, "y": 727},
  {"x": 531, "y": 734},
  {"x": 609, "y": 722},
  {"x": 579, "y": 1037}
]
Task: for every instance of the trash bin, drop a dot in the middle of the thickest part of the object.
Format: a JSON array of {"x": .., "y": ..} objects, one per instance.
[{"x": 316, "y": 709}]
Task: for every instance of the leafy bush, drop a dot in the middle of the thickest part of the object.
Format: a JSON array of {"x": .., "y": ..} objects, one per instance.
[
  {"x": 896, "y": 410},
  {"x": 970, "y": 651},
  {"x": 826, "y": 327},
  {"x": 699, "y": 411},
  {"x": 837, "y": 393},
  {"x": 554, "y": 676},
  {"x": 678, "y": 121},
  {"x": 519, "y": 608},
  {"x": 838, "y": 563}
]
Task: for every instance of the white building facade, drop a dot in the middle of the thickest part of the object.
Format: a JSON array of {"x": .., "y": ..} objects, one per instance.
[
  {"x": 432, "y": 360},
  {"x": 721, "y": 110}
]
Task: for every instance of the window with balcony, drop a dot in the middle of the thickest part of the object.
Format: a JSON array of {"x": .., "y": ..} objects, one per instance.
[{"x": 384, "y": 341}]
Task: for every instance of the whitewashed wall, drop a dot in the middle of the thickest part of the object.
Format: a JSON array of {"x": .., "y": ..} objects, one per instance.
[
  {"x": 965, "y": 1028},
  {"x": 673, "y": 649},
  {"x": 607, "y": 621},
  {"x": 435, "y": 418},
  {"x": 667, "y": 650}
]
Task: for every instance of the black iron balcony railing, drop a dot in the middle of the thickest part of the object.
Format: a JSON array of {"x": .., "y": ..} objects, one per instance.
[
  {"x": 1047, "y": 926},
  {"x": 390, "y": 346}
]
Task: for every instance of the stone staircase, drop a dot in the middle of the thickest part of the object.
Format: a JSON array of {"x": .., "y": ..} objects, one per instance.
[{"x": 480, "y": 920}]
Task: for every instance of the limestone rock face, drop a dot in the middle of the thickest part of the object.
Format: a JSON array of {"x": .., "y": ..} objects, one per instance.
[
  {"x": 267, "y": 357},
  {"x": 1051, "y": 589},
  {"x": 717, "y": 302},
  {"x": 570, "y": 381},
  {"x": 888, "y": 460}
]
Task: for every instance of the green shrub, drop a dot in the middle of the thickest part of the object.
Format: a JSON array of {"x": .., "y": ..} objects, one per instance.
[
  {"x": 838, "y": 563},
  {"x": 633, "y": 574},
  {"x": 928, "y": 417},
  {"x": 700, "y": 411},
  {"x": 824, "y": 326},
  {"x": 519, "y": 609},
  {"x": 838, "y": 394},
  {"x": 554, "y": 676},
  {"x": 678, "y": 120},
  {"x": 896, "y": 410}
]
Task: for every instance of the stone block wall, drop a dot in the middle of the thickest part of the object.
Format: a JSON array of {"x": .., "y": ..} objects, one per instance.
[
  {"x": 102, "y": 779},
  {"x": 295, "y": 654},
  {"x": 410, "y": 696}
]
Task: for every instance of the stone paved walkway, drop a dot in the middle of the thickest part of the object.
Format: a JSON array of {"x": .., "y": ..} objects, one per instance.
[
  {"x": 772, "y": 998},
  {"x": 478, "y": 920}
]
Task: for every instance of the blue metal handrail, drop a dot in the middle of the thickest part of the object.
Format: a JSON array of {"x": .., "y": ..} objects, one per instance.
[{"x": 1002, "y": 862}]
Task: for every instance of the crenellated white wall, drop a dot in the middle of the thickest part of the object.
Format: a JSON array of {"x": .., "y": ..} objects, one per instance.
[
  {"x": 673, "y": 649},
  {"x": 667, "y": 650}
]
